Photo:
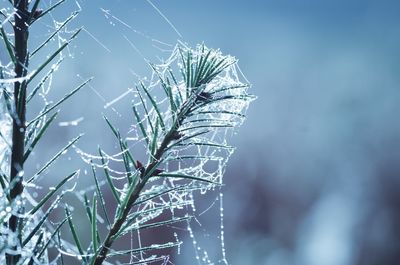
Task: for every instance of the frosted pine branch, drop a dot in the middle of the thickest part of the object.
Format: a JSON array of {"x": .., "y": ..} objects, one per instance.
[{"x": 195, "y": 117}]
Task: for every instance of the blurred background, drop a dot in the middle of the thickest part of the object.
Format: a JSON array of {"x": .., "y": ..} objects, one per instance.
[{"x": 315, "y": 176}]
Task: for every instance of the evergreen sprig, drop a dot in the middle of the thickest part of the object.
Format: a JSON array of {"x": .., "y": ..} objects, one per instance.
[
  {"x": 182, "y": 123},
  {"x": 28, "y": 227}
]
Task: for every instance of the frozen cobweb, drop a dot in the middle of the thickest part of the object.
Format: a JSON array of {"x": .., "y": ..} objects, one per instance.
[{"x": 194, "y": 162}]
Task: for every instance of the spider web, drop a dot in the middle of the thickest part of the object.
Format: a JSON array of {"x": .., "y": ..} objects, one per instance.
[{"x": 203, "y": 156}]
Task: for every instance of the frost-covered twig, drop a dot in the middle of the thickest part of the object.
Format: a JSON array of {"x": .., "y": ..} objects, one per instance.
[
  {"x": 26, "y": 226},
  {"x": 20, "y": 55},
  {"x": 207, "y": 99}
]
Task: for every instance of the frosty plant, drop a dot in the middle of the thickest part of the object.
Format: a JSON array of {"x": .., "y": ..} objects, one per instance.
[{"x": 183, "y": 135}]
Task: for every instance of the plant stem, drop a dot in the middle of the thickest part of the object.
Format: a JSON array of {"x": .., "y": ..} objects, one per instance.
[
  {"x": 105, "y": 247},
  {"x": 18, "y": 137},
  {"x": 101, "y": 255}
]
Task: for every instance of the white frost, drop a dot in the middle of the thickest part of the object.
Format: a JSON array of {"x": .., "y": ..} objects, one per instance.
[{"x": 5, "y": 133}]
